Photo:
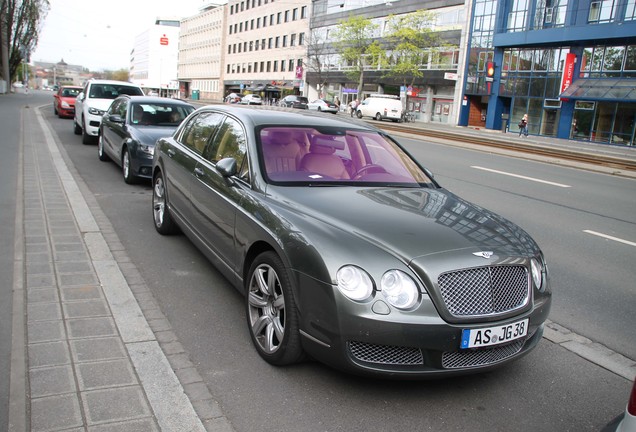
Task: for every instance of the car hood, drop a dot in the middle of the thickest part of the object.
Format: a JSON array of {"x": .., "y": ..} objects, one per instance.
[
  {"x": 410, "y": 222},
  {"x": 150, "y": 134},
  {"x": 101, "y": 104}
]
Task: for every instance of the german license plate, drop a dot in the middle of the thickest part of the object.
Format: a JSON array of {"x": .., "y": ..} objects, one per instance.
[{"x": 476, "y": 338}]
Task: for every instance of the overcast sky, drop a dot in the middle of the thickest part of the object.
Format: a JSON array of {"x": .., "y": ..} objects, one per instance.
[{"x": 100, "y": 34}]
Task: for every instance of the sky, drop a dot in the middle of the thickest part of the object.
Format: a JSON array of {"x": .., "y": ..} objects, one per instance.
[{"x": 99, "y": 35}]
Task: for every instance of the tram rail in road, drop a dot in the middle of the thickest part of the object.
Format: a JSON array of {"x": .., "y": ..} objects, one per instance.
[{"x": 529, "y": 147}]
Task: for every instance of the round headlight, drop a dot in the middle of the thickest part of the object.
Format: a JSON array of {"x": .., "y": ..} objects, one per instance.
[
  {"x": 537, "y": 272},
  {"x": 399, "y": 289},
  {"x": 354, "y": 283}
]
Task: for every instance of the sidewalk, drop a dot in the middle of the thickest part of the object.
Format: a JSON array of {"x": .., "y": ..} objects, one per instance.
[{"x": 95, "y": 353}]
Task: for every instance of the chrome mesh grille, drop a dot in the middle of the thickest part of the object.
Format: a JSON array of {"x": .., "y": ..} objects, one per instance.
[
  {"x": 480, "y": 356},
  {"x": 385, "y": 354},
  {"x": 484, "y": 290}
]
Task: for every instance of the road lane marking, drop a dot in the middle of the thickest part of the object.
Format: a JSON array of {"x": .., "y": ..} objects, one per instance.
[
  {"x": 605, "y": 236},
  {"x": 522, "y": 177}
]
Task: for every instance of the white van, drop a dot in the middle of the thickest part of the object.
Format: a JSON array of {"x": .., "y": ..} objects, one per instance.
[{"x": 380, "y": 107}]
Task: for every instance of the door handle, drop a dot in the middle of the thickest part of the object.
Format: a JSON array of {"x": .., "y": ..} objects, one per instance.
[
  {"x": 198, "y": 172},
  {"x": 170, "y": 152}
]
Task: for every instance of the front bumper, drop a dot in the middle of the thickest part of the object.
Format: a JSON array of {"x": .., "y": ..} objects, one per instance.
[{"x": 354, "y": 337}]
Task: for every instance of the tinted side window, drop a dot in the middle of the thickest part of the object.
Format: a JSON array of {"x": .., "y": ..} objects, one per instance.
[
  {"x": 199, "y": 129},
  {"x": 229, "y": 142}
]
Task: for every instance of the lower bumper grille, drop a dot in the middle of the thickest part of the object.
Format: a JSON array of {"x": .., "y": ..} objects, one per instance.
[
  {"x": 385, "y": 354},
  {"x": 480, "y": 357}
]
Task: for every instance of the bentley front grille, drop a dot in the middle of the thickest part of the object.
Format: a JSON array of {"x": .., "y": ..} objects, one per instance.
[{"x": 485, "y": 290}]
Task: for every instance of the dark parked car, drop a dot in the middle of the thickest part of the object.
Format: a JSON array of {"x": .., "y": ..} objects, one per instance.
[
  {"x": 294, "y": 101},
  {"x": 346, "y": 248},
  {"x": 131, "y": 127}
]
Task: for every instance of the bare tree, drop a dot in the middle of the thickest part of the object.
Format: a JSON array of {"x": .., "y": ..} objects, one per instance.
[
  {"x": 319, "y": 58},
  {"x": 20, "y": 29}
]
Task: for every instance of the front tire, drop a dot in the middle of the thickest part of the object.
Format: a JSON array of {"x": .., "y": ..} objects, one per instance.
[
  {"x": 161, "y": 214},
  {"x": 100, "y": 150},
  {"x": 76, "y": 128},
  {"x": 272, "y": 316},
  {"x": 359, "y": 114},
  {"x": 126, "y": 168},
  {"x": 378, "y": 116},
  {"x": 86, "y": 138}
]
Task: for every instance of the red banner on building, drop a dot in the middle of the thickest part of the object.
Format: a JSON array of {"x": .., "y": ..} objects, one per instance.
[{"x": 568, "y": 71}]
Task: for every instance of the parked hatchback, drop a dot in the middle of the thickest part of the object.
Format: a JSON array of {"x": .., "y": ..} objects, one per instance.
[
  {"x": 131, "y": 127},
  {"x": 346, "y": 248},
  {"x": 64, "y": 100},
  {"x": 294, "y": 101}
]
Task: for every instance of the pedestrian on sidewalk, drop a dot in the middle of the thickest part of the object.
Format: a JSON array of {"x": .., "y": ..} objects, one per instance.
[
  {"x": 523, "y": 126},
  {"x": 353, "y": 105}
]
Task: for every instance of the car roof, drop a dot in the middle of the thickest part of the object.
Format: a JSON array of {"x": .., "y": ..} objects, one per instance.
[
  {"x": 154, "y": 99},
  {"x": 114, "y": 82},
  {"x": 272, "y": 115}
]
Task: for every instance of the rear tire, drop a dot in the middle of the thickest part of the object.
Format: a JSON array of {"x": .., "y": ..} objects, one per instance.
[
  {"x": 359, "y": 114},
  {"x": 378, "y": 116}
]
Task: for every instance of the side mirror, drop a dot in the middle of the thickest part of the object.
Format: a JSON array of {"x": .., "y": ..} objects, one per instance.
[
  {"x": 80, "y": 96},
  {"x": 227, "y": 167},
  {"x": 115, "y": 118}
]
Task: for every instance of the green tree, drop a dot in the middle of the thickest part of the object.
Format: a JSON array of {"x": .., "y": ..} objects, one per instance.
[
  {"x": 412, "y": 42},
  {"x": 353, "y": 41},
  {"x": 20, "y": 22}
]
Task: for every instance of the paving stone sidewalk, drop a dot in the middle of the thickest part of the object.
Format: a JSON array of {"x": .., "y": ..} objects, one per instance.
[{"x": 99, "y": 355}]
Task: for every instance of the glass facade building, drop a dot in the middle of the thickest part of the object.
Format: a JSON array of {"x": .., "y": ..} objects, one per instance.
[{"x": 570, "y": 65}]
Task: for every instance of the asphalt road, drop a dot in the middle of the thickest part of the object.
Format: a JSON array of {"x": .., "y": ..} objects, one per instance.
[{"x": 551, "y": 389}]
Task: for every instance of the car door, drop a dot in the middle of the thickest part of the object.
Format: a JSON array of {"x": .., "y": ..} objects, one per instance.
[
  {"x": 114, "y": 132},
  {"x": 215, "y": 199},
  {"x": 181, "y": 157}
]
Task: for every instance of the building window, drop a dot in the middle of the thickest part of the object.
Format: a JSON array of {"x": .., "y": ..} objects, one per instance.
[
  {"x": 301, "y": 39},
  {"x": 270, "y": 43},
  {"x": 265, "y": 21},
  {"x": 303, "y": 12},
  {"x": 550, "y": 13},
  {"x": 292, "y": 40},
  {"x": 602, "y": 11},
  {"x": 269, "y": 66},
  {"x": 277, "y": 42},
  {"x": 295, "y": 14},
  {"x": 286, "y": 16},
  {"x": 630, "y": 12},
  {"x": 271, "y": 19},
  {"x": 263, "y": 44},
  {"x": 517, "y": 16},
  {"x": 282, "y": 65},
  {"x": 284, "y": 41},
  {"x": 291, "y": 65},
  {"x": 258, "y": 22},
  {"x": 275, "y": 65},
  {"x": 279, "y": 17}
]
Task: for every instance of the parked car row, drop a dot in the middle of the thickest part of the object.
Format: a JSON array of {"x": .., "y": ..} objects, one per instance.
[{"x": 345, "y": 248}]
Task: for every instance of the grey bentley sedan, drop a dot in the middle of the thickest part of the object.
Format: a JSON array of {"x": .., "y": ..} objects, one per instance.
[{"x": 346, "y": 248}]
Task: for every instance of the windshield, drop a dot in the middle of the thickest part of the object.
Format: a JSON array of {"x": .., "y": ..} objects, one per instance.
[
  {"x": 159, "y": 114},
  {"x": 110, "y": 91},
  {"x": 292, "y": 155}
]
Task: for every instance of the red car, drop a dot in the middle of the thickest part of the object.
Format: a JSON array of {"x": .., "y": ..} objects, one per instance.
[{"x": 64, "y": 100}]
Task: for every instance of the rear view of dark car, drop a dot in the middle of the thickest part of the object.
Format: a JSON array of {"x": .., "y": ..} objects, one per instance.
[{"x": 294, "y": 101}]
